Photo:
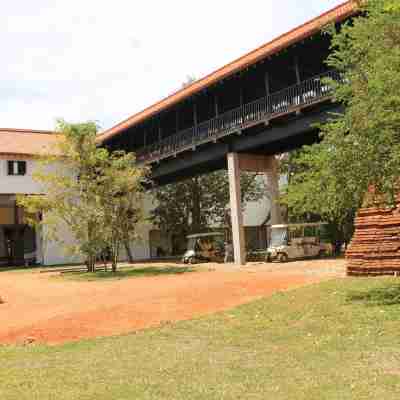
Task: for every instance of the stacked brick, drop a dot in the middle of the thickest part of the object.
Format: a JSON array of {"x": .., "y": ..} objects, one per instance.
[{"x": 375, "y": 247}]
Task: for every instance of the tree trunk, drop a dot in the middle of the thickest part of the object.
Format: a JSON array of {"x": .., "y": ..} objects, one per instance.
[
  {"x": 114, "y": 264},
  {"x": 104, "y": 258},
  {"x": 128, "y": 251},
  {"x": 114, "y": 257},
  {"x": 90, "y": 264},
  {"x": 91, "y": 260}
]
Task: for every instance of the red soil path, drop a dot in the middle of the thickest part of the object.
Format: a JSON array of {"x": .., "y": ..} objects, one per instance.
[{"x": 40, "y": 308}]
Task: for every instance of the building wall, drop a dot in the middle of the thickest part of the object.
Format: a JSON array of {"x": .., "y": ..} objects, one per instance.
[
  {"x": 141, "y": 248},
  {"x": 14, "y": 184},
  {"x": 50, "y": 252},
  {"x": 54, "y": 253}
]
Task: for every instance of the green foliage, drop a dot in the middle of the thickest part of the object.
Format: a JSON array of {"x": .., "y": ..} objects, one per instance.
[
  {"x": 313, "y": 193},
  {"x": 193, "y": 205},
  {"x": 360, "y": 148},
  {"x": 121, "y": 193},
  {"x": 97, "y": 195}
]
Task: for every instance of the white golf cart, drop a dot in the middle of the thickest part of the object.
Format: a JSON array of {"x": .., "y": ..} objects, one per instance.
[
  {"x": 204, "y": 247},
  {"x": 296, "y": 241}
]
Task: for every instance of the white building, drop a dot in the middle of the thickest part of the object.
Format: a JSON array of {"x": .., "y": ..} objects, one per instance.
[
  {"x": 19, "y": 243},
  {"x": 19, "y": 151}
]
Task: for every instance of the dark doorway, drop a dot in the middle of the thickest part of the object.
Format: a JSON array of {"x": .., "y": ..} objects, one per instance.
[{"x": 17, "y": 245}]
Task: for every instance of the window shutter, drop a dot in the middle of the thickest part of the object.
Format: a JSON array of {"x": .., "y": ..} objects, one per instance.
[
  {"x": 21, "y": 167},
  {"x": 10, "y": 167}
]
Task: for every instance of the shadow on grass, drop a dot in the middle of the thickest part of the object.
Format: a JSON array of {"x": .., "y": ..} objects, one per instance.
[
  {"x": 29, "y": 268},
  {"x": 388, "y": 295},
  {"x": 19, "y": 268},
  {"x": 129, "y": 273}
]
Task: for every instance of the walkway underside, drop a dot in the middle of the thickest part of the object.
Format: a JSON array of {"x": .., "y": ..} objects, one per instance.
[
  {"x": 262, "y": 111},
  {"x": 279, "y": 136}
]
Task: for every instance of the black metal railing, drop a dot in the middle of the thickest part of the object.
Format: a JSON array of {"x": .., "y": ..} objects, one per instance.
[{"x": 285, "y": 101}]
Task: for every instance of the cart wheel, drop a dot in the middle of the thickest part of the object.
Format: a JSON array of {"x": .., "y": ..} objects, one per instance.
[
  {"x": 192, "y": 261},
  {"x": 268, "y": 258},
  {"x": 283, "y": 258}
]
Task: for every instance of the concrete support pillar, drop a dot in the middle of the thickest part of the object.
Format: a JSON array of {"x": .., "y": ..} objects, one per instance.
[
  {"x": 270, "y": 167},
  {"x": 236, "y": 209},
  {"x": 251, "y": 163},
  {"x": 272, "y": 181}
]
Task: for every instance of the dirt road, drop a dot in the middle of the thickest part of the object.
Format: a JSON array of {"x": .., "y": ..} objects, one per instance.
[{"x": 40, "y": 308}]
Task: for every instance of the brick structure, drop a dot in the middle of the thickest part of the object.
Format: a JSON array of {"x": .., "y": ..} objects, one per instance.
[{"x": 375, "y": 247}]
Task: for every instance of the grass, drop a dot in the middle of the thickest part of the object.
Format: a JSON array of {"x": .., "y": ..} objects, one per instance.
[
  {"x": 133, "y": 272},
  {"x": 336, "y": 340},
  {"x": 20, "y": 269},
  {"x": 31, "y": 268}
]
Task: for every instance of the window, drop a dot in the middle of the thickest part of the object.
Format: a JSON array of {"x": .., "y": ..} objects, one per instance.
[{"x": 16, "y": 167}]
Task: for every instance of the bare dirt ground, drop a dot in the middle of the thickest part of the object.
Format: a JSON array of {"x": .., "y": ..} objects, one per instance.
[{"x": 43, "y": 309}]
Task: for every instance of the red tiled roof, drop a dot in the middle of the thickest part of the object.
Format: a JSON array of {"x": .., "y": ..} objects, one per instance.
[
  {"x": 27, "y": 142},
  {"x": 337, "y": 14}
]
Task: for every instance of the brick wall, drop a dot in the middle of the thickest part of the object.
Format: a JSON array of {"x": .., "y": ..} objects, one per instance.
[{"x": 375, "y": 247}]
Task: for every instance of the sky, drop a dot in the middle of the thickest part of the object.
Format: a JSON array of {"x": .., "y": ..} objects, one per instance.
[{"x": 106, "y": 60}]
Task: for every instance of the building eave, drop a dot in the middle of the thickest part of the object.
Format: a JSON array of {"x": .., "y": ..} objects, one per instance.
[{"x": 337, "y": 14}]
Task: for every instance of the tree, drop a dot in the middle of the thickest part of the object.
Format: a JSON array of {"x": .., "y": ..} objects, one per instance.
[
  {"x": 121, "y": 197},
  {"x": 359, "y": 148},
  {"x": 94, "y": 193},
  {"x": 312, "y": 194},
  {"x": 192, "y": 205}
]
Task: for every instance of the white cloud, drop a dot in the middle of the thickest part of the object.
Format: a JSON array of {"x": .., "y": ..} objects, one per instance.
[{"x": 106, "y": 60}]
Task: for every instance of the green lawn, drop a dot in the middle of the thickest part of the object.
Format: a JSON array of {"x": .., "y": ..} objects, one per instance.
[
  {"x": 30, "y": 268},
  {"x": 131, "y": 272},
  {"x": 337, "y": 340}
]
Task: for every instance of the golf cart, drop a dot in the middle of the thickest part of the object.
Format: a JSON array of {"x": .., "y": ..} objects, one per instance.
[
  {"x": 296, "y": 241},
  {"x": 204, "y": 247}
]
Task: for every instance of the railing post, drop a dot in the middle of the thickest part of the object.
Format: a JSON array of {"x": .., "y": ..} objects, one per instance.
[
  {"x": 177, "y": 120},
  {"x": 216, "y": 108},
  {"x": 297, "y": 69},
  {"x": 159, "y": 128},
  {"x": 267, "y": 85},
  {"x": 279, "y": 102}
]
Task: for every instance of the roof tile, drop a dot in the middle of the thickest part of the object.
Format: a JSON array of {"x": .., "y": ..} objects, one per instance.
[
  {"x": 27, "y": 142},
  {"x": 337, "y": 14}
]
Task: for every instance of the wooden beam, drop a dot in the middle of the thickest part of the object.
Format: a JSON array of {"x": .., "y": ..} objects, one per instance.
[
  {"x": 159, "y": 128},
  {"x": 297, "y": 69},
  {"x": 267, "y": 83},
  {"x": 16, "y": 219},
  {"x": 194, "y": 113},
  {"x": 131, "y": 139},
  {"x": 216, "y": 108},
  {"x": 177, "y": 119}
]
